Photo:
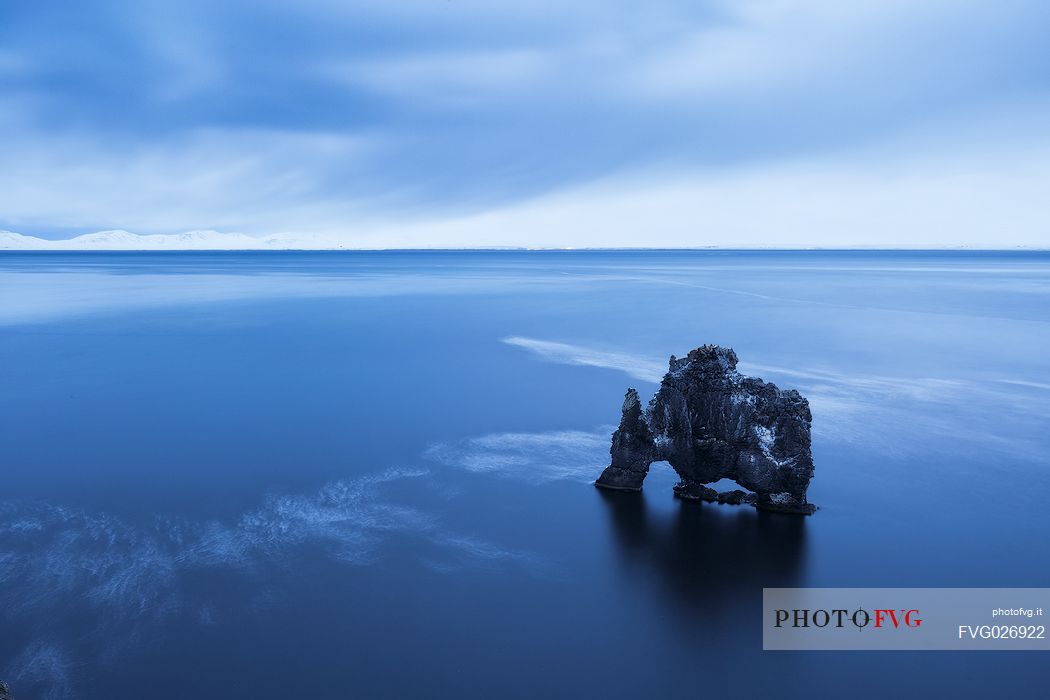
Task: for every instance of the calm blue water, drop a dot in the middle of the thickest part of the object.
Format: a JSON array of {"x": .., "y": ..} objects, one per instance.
[{"x": 335, "y": 475}]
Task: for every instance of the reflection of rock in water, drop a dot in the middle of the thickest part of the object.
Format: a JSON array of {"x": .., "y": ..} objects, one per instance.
[
  {"x": 705, "y": 558},
  {"x": 710, "y": 422}
]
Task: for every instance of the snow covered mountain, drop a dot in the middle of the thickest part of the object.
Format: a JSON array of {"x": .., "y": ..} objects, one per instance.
[
  {"x": 189, "y": 240},
  {"x": 10, "y": 240}
]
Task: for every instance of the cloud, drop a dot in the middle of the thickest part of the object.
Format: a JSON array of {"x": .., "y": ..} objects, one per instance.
[
  {"x": 446, "y": 81},
  {"x": 469, "y": 123},
  {"x": 915, "y": 192},
  {"x": 768, "y": 50},
  {"x": 232, "y": 177},
  {"x": 890, "y": 197}
]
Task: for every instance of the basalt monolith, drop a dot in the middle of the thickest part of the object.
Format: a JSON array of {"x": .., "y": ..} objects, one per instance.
[{"x": 710, "y": 422}]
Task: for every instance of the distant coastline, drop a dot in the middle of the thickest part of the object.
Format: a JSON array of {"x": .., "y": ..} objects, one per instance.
[{"x": 215, "y": 241}]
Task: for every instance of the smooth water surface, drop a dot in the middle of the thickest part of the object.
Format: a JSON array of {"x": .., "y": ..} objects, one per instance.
[{"x": 334, "y": 475}]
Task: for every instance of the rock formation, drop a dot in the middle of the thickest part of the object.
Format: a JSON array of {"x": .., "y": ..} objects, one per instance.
[
  {"x": 710, "y": 422},
  {"x": 5, "y": 692}
]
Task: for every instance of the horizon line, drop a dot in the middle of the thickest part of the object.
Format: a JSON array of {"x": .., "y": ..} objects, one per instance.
[{"x": 547, "y": 249}]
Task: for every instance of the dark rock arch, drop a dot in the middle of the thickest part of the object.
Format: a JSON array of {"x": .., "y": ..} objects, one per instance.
[{"x": 709, "y": 422}]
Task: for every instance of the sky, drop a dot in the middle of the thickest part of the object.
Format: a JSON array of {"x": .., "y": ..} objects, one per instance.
[{"x": 467, "y": 123}]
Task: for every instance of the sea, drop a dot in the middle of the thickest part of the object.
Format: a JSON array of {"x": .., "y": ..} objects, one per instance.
[{"x": 370, "y": 474}]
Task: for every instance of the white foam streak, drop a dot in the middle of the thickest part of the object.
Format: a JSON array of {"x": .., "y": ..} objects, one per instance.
[
  {"x": 850, "y": 407},
  {"x": 533, "y": 457},
  {"x": 644, "y": 369},
  {"x": 53, "y": 559}
]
